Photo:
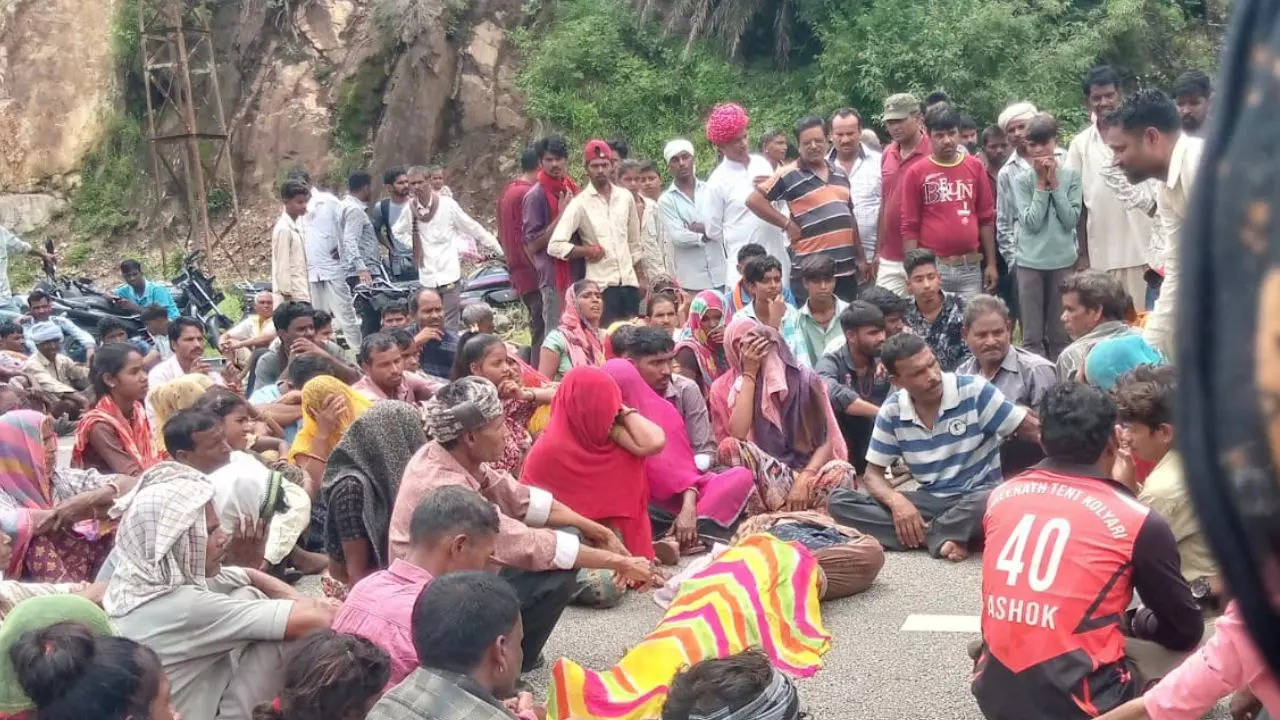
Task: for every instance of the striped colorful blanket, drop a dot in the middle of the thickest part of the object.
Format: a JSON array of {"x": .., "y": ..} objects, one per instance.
[{"x": 761, "y": 593}]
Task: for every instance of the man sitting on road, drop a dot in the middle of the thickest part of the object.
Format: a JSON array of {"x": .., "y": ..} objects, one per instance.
[
  {"x": 77, "y": 343},
  {"x": 1066, "y": 548},
  {"x": 435, "y": 343},
  {"x": 857, "y": 382},
  {"x": 384, "y": 375},
  {"x": 1093, "y": 309},
  {"x": 186, "y": 337},
  {"x": 254, "y": 331},
  {"x": 948, "y": 430},
  {"x": 296, "y": 326},
  {"x": 651, "y": 350},
  {"x": 56, "y": 378},
  {"x": 1023, "y": 376},
  {"x": 453, "y": 529}
]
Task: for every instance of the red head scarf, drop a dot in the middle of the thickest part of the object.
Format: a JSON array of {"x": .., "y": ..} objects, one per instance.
[
  {"x": 580, "y": 464},
  {"x": 596, "y": 149}
]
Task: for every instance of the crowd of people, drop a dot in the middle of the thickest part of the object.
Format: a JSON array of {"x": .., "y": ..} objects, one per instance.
[{"x": 960, "y": 340}]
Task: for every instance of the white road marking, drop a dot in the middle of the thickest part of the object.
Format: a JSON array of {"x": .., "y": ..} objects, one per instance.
[{"x": 942, "y": 623}]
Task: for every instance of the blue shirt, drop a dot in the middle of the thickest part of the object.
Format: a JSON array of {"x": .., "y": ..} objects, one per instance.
[
  {"x": 76, "y": 341},
  {"x": 152, "y": 294},
  {"x": 961, "y": 453},
  {"x": 267, "y": 395}
]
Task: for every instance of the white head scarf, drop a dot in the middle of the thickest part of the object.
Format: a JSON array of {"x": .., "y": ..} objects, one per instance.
[
  {"x": 1016, "y": 111},
  {"x": 675, "y": 147},
  {"x": 160, "y": 544}
]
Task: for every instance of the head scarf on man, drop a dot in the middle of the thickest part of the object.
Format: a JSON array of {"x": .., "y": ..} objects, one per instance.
[
  {"x": 38, "y": 613},
  {"x": 1113, "y": 357},
  {"x": 675, "y": 147},
  {"x": 1015, "y": 112},
  {"x": 595, "y": 150},
  {"x": 44, "y": 332},
  {"x": 726, "y": 122},
  {"x": 162, "y": 538},
  {"x": 778, "y": 701},
  {"x": 460, "y": 407}
]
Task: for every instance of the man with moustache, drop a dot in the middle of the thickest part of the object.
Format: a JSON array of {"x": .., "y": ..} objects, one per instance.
[
  {"x": 700, "y": 260},
  {"x": 857, "y": 382},
  {"x": 905, "y": 122}
]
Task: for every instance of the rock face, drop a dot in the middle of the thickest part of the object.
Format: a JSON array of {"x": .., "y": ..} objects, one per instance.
[
  {"x": 327, "y": 85},
  {"x": 57, "y": 86}
]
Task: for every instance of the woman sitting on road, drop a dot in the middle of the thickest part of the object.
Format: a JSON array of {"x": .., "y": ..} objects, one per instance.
[
  {"x": 772, "y": 416},
  {"x": 48, "y": 543},
  {"x": 173, "y": 397},
  {"x": 329, "y": 406},
  {"x": 360, "y": 485},
  {"x": 675, "y": 483},
  {"x": 591, "y": 457},
  {"x": 700, "y": 345},
  {"x": 663, "y": 311},
  {"x": 578, "y": 341},
  {"x": 115, "y": 436},
  {"x": 487, "y": 356},
  {"x": 330, "y": 676}
]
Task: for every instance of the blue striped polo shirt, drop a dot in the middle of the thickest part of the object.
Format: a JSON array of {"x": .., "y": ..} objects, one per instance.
[{"x": 962, "y": 451}]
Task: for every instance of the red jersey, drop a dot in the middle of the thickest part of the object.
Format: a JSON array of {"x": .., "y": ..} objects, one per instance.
[
  {"x": 1064, "y": 553},
  {"x": 944, "y": 205},
  {"x": 892, "y": 165}
]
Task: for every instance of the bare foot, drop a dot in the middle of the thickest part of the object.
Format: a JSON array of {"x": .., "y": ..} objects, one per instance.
[{"x": 953, "y": 551}]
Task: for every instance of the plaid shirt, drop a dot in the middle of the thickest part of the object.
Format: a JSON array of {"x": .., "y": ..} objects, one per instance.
[
  {"x": 945, "y": 334},
  {"x": 438, "y": 695}
]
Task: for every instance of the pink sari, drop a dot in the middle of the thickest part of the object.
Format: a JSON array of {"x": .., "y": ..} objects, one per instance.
[
  {"x": 721, "y": 495},
  {"x": 27, "y": 486}
]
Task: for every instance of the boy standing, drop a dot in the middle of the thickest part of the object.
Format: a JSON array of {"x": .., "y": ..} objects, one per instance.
[
  {"x": 1048, "y": 202},
  {"x": 288, "y": 249}
]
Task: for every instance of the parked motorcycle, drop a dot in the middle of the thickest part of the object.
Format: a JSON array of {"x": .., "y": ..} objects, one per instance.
[
  {"x": 200, "y": 297},
  {"x": 488, "y": 284}
]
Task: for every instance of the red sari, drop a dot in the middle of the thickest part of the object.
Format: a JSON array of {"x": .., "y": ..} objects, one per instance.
[{"x": 582, "y": 467}]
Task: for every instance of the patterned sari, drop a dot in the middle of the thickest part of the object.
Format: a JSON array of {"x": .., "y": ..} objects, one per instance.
[{"x": 695, "y": 338}]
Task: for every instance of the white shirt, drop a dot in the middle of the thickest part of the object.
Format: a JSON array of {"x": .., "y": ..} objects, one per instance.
[
  {"x": 722, "y": 203},
  {"x": 1171, "y": 212},
  {"x": 166, "y": 371},
  {"x": 323, "y": 226},
  {"x": 439, "y": 236},
  {"x": 613, "y": 224},
  {"x": 1118, "y": 235},
  {"x": 9, "y": 243},
  {"x": 289, "y": 260},
  {"x": 865, "y": 189}
]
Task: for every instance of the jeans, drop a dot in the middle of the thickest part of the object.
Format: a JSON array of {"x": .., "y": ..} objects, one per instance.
[{"x": 963, "y": 279}]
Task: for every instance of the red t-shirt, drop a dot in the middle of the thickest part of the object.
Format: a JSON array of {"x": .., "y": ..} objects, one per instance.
[
  {"x": 943, "y": 205},
  {"x": 892, "y": 165},
  {"x": 524, "y": 278}
]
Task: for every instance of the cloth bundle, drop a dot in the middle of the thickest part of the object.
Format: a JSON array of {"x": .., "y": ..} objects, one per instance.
[
  {"x": 760, "y": 593},
  {"x": 849, "y": 560}
]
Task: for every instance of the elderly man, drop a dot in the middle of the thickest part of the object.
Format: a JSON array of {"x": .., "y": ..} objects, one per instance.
[
  {"x": 431, "y": 224},
  {"x": 55, "y": 376},
  {"x": 1020, "y": 374},
  {"x": 700, "y": 260},
  {"x": 469, "y": 632},
  {"x": 253, "y": 331},
  {"x": 1093, "y": 309},
  {"x": 76, "y": 341},
  {"x": 722, "y": 204},
  {"x": 1013, "y": 121},
  {"x": 466, "y": 422},
  {"x": 604, "y": 219},
  {"x": 219, "y": 631},
  {"x": 1145, "y": 137}
]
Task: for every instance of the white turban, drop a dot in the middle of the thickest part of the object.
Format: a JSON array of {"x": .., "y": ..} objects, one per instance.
[
  {"x": 1016, "y": 111},
  {"x": 675, "y": 147}
]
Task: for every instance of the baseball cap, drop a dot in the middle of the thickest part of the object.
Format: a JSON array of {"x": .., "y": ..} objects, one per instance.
[{"x": 899, "y": 106}]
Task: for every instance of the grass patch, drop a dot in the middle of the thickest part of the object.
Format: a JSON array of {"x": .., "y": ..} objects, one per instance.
[{"x": 356, "y": 115}]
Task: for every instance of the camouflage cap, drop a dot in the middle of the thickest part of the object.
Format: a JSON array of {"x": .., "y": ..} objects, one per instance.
[{"x": 899, "y": 106}]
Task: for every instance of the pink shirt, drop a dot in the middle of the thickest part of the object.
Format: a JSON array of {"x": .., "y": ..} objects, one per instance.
[
  {"x": 379, "y": 609},
  {"x": 407, "y": 392},
  {"x": 1226, "y": 663}
]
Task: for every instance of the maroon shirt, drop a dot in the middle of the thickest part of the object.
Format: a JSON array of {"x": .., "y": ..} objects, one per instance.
[
  {"x": 892, "y": 166},
  {"x": 524, "y": 278}
]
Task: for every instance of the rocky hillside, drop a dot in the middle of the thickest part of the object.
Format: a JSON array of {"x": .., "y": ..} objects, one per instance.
[{"x": 327, "y": 85}]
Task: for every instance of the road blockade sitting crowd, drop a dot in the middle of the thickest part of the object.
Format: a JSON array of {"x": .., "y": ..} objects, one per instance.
[{"x": 788, "y": 338}]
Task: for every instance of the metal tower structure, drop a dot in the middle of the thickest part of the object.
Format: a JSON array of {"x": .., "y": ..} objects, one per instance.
[{"x": 186, "y": 128}]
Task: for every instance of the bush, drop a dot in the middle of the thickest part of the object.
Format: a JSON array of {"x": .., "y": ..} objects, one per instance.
[
  {"x": 596, "y": 71},
  {"x": 100, "y": 205}
]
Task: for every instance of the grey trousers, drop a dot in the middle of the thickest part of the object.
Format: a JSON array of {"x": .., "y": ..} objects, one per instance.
[
  {"x": 957, "y": 518},
  {"x": 259, "y": 671},
  {"x": 966, "y": 280},
  {"x": 551, "y": 302},
  {"x": 1040, "y": 304}
]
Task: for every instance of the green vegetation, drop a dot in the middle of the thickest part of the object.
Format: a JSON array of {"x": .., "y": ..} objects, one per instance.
[
  {"x": 100, "y": 206},
  {"x": 356, "y": 115},
  {"x": 606, "y": 68}
]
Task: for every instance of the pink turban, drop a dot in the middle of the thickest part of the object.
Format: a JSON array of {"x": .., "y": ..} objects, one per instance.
[{"x": 726, "y": 122}]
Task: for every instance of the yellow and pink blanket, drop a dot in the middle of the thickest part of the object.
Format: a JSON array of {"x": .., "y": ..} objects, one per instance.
[{"x": 761, "y": 593}]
